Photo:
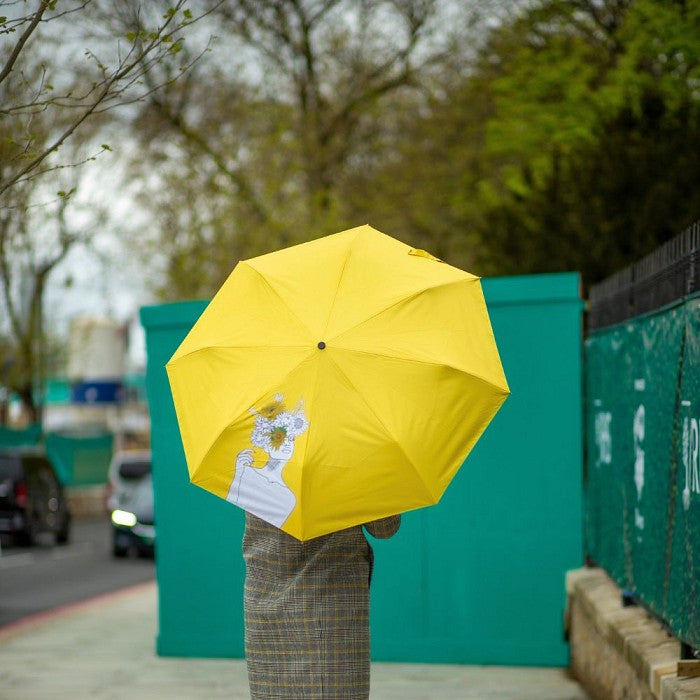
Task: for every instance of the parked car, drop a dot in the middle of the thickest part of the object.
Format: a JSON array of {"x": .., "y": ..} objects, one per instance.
[
  {"x": 32, "y": 499},
  {"x": 130, "y": 503}
]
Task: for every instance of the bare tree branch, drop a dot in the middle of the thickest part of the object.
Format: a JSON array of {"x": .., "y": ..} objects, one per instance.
[
  {"x": 35, "y": 234},
  {"x": 235, "y": 175},
  {"x": 24, "y": 37},
  {"x": 147, "y": 49}
]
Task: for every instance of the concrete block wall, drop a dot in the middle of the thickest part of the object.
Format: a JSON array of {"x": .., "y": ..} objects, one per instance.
[{"x": 620, "y": 651}]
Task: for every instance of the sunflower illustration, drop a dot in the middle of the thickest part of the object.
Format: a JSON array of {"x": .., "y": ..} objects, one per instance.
[
  {"x": 275, "y": 426},
  {"x": 277, "y": 436}
]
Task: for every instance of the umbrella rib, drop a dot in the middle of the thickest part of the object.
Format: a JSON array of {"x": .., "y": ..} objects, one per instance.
[
  {"x": 279, "y": 296},
  {"x": 337, "y": 288},
  {"x": 388, "y": 432},
  {"x": 374, "y": 353},
  {"x": 253, "y": 346},
  {"x": 406, "y": 299}
]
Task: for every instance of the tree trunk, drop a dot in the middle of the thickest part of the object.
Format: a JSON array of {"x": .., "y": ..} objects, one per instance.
[{"x": 31, "y": 409}]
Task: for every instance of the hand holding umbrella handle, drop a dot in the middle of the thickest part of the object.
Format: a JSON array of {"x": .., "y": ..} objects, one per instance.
[{"x": 384, "y": 527}]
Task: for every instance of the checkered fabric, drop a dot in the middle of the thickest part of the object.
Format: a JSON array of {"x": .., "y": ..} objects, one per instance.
[{"x": 307, "y": 612}]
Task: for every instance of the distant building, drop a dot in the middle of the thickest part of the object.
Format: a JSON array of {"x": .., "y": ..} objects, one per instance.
[{"x": 98, "y": 394}]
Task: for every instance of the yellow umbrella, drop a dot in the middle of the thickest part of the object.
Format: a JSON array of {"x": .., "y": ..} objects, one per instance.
[{"x": 336, "y": 382}]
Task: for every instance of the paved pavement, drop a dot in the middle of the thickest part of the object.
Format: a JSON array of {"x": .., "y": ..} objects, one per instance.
[{"x": 104, "y": 649}]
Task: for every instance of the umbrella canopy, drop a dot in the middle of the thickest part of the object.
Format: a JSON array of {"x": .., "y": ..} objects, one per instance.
[{"x": 336, "y": 382}]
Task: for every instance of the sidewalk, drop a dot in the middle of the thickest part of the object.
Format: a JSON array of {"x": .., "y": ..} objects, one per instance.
[{"x": 104, "y": 649}]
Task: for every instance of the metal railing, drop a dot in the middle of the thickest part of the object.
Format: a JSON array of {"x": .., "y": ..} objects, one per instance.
[{"x": 669, "y": 273}]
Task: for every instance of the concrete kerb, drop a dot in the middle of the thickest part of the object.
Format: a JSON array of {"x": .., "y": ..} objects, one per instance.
[{"x": 616, "y": 649}]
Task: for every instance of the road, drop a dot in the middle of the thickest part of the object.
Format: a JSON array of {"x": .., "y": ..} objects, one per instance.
[{"x": 46, "y": 576}]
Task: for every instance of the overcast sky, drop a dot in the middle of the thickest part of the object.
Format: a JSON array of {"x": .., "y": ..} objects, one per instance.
[{"x": 108, "y": 278}]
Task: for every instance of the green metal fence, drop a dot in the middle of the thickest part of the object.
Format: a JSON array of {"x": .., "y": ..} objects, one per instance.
[
  {"x": 478, "y": 578},
  {"x": 642, "y": 480}
]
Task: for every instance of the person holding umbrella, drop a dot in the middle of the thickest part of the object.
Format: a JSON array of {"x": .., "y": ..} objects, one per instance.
[
  {"x": 306, "y": 604},
  {"x": 307, "y": 611},
  {"x": 387, "y": 355}
]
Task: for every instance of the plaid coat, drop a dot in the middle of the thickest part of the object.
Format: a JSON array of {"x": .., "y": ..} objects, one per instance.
[{"x": 307, "y": 611}]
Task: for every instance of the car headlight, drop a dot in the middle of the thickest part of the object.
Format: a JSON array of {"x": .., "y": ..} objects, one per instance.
[{"x": 123, "y": 518}]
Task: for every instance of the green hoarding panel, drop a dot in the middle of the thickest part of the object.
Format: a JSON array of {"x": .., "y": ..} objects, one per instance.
[
  {"x": 655, "y": 391},
  {"x": 682, "y": 593},
  {"x": 478, "y": 578},
  {"x": 80, "y": 461},
  {"x": 604, "y": 422},
  {"x": 480, "y": 575},
  {"x": 199, "y": 567},
  {"x": 640, "y": 514},
  {"x": 20, "y": 437}
]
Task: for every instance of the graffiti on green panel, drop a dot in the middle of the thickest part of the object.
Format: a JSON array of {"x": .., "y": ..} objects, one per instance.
[
  {"x": 683, "y": 593},
  {"x": 643, "y": 442}
]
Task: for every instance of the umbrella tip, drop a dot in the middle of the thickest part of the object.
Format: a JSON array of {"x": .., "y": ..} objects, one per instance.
[{"x": 321, "y": 345}]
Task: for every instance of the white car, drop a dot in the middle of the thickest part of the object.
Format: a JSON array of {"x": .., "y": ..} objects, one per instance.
[{"x": 130, "y": 503}]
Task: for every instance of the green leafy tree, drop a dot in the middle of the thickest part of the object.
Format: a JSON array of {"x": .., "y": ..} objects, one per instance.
[
  {"x": 566, "y": 146},
  {"x": 529, "y": 136},
  {"x": 601, "y": 198},
  {"x": 609, "y": 202}
]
